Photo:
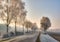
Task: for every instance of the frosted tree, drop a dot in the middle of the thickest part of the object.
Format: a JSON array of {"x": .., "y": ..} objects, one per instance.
[
  {"x": 5, "y": 12},
  {"x": 11, "y": 10},
  {"x": 27, "y": 24},
  {"x": 34, "y": 27},
  {"x": 45, "y": 23},
  {"x": 19, "y": 12}
]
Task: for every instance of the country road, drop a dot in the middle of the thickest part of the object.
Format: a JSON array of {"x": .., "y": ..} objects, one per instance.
[
  {"x": 43, "y": 38},
  {"x": 24, "y": 38},
  {"x": 32, "y": 38}
]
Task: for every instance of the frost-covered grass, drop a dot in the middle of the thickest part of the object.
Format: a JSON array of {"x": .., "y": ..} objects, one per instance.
[{"x": 47, "y": 38}]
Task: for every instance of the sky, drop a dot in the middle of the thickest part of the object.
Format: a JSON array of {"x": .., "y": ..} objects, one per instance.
[{"x": 36, "y": 9}]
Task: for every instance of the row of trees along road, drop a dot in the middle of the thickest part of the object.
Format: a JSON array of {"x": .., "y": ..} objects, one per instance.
[
  {"x": 12, "y": 11},
  {"x": 31, "y": 25}
]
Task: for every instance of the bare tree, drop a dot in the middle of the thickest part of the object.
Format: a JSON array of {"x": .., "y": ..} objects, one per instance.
[
  {"x": 22, "y": 18},
  {"x": 27, "y": 24},
  {"x": 34, "y": 27},
  {"x": 5, "y": 13},
  {"x": 12, "y": 10},
  {"x": 45, "y": 23},
  {"x": 19, "y": 13},
  {"x": 22, "y": 14}
]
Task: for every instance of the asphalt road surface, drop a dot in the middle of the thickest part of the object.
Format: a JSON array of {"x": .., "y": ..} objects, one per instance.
[
  {"x": 33, "y": 39},
  {"x": 24, "y": 38}
]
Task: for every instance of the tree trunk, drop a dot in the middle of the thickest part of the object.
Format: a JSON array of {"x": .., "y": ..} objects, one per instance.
[
  {"x": 15, "y": 28},
  {"x": 27, "y": 30},
  {"x": 23, "y": 29},
  {"x": 7, "y": 18},
  {"x": 7, "y": 29}
]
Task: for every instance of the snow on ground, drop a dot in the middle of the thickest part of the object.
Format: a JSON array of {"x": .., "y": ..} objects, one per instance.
[
  {"x": 47, "y": 38},
  {"x": 32, "y": 38}
]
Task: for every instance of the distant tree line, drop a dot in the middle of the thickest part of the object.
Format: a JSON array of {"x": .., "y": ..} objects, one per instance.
[{"x": 13, "y": 11}]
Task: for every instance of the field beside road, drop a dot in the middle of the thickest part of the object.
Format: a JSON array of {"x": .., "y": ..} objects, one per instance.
[{"x": 57, "y": 37}]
